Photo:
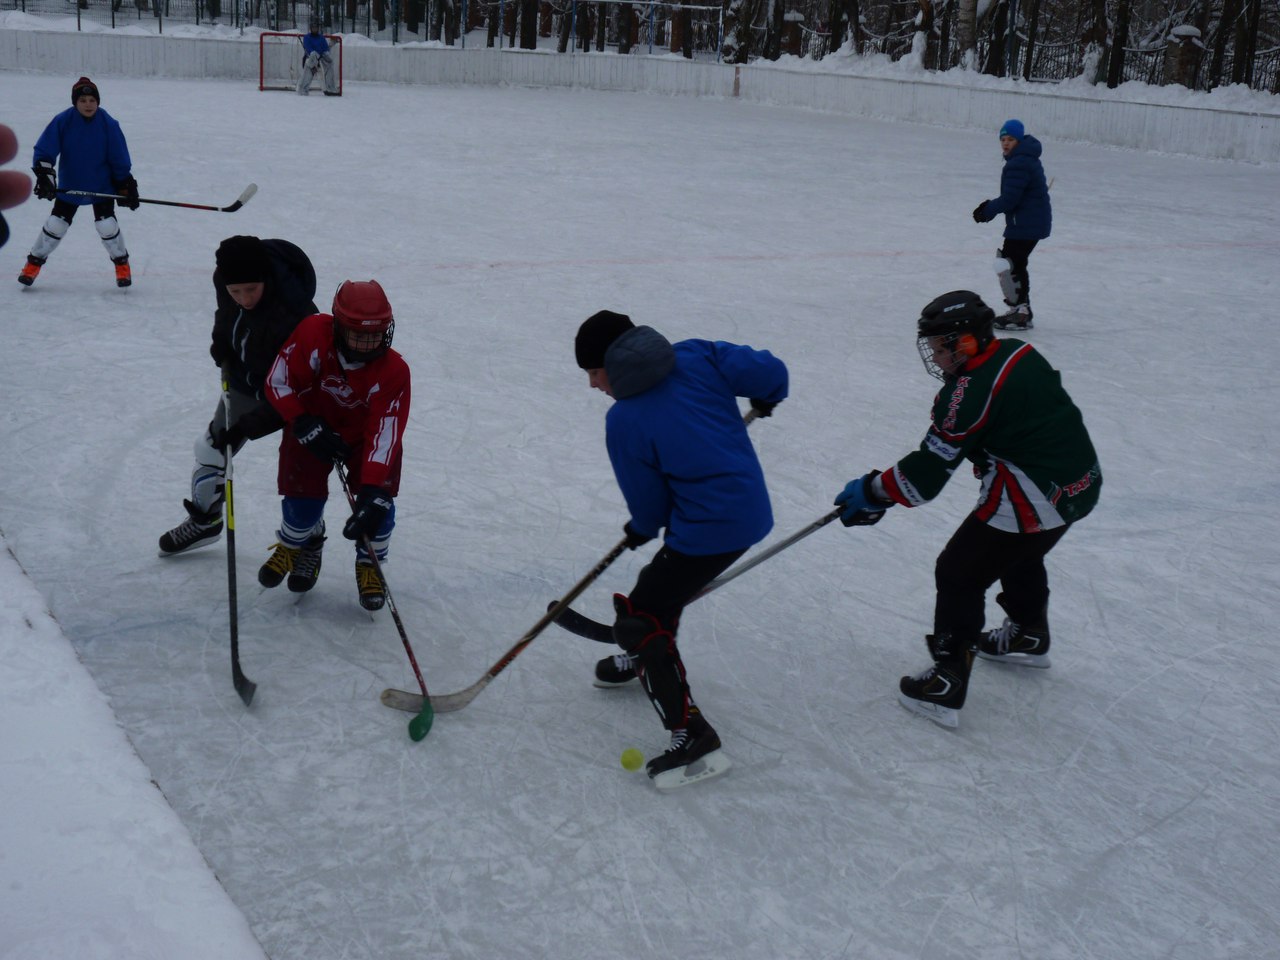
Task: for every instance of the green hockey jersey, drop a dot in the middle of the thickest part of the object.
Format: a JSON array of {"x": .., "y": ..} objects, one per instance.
[{"x": 1008, "y": 413}]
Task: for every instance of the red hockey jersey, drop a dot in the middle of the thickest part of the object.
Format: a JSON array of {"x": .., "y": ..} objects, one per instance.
[{"x": 367, "y": 404}]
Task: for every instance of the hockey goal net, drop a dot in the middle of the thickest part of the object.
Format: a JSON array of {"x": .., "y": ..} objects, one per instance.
[{"x": 280, "y": 58}]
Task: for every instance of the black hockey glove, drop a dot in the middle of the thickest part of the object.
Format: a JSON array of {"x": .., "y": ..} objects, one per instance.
[
  {"x": 46, "y": 180},
  {"x": 319, "y": 439},
  {"x": 764, "y": 408},
  {"x": 221, "y": 352},
  {"x": 634, "y": 539},
  {"x": 861, "y": 507},
  {"x": 372, "y": 506},
  {"x": 223, "y": 437},
  {"x": 980, "y": 213},
  {"x": 128, "y": 188}
]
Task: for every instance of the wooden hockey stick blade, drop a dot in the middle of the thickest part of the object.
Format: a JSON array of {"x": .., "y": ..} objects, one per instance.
[{"x": 440, "y": 703}]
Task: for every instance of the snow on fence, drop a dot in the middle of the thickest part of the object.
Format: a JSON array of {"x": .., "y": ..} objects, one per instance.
[{"x": 1197, "y": 131}]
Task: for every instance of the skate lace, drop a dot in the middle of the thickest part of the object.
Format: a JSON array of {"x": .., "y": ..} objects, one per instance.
[
  {"x": 1004, "y": 635},
  {"x": 307, "y": 563},
  {"x": 678, "y": 740},
  {"x": 623, "y": 661},
  {"x": 367, "y": 581},
  {"x": 189, "y": 530},
  {"x": 282, "y": 561}
]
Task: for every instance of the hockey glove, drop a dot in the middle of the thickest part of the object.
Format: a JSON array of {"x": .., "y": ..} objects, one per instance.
[
  {"x": 46, "y": 180},
  {"x": 223, "y": 437},
  {"x": 221, "y": 352},
  {"x": 634, "y": 539},
  {"x": 860, "y": 506},
  {"x": 764, "y": 408},
  {"x": 372, "y": 506},
  {"x": 980, "y": 213},
  {"x": 128, "y": 188},
  {"x": 319, "y": 439}
]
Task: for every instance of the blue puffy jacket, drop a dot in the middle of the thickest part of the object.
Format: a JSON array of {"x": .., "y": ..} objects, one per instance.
[
  {"x": 1024, "y": 195},
  {"x": 91, "y": 154},
  {"x": 676, "y": 439}
]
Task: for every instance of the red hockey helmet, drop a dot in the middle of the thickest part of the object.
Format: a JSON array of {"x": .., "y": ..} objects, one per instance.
[{"x": 362, "y": 320}]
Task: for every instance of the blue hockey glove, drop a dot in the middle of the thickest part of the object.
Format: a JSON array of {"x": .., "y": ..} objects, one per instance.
[
  {"x": 372, "y": 506},
  {"x": 860, "y": 506}
]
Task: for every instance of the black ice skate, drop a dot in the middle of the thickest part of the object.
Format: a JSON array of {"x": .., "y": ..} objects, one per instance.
[
  {"x": 278, "y": 566},
  {"x": 306, "y": 566},
  {"x": 1016, "y": 644},
  {"x": 1018, "y": 318},
  {"x": 939, "y": 692},
  {"x": 198, "y": 530},
  {"x": 372, "y": 594},
  {"x": 615, "y": 671},
  {"x": 694, "y": 754}
]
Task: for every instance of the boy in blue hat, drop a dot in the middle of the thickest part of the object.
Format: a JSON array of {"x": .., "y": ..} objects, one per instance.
[{"x": 1028, "y": 219}]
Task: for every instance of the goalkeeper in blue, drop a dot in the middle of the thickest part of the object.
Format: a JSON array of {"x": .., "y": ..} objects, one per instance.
[{"x": 317, "y": 58}]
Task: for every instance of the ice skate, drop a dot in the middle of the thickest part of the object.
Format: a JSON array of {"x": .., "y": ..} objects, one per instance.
[
  {"x": 30, "y": 270},
  {"x": 1018, "y": 318},
  {"x": 939, "y": 692},
  {"x": 694, "y": 754},
  {"x": 198, "y": 530},
  {"x": 306, "y": 566},
  {"x": 615, "y": 671},
  {"x": 372, "y": 594},
  {"x": 1016, "y": 644},
  {"x": 124, "y": 276},
  {"x": 278, "y": 566}
]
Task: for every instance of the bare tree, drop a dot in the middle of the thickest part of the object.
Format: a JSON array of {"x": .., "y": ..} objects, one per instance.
[{"x": 967, "y": 33}]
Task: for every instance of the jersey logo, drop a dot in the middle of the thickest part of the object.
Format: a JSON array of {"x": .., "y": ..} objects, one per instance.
[
  {"x": 953, "y": 408},
  {"x": 339, "y": 389},
  {"x": 940, "y": 447}
]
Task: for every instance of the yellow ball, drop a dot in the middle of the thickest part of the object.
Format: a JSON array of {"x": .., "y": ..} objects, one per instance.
[{"x": 632, "y": 758}]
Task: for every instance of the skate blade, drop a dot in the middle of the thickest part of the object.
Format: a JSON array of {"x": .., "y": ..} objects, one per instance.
[
  {"x": 713, "y": 764},
  {"x": 606, "y": 685},
  {"x": 942, "y": 716},
  {"x": 1040, "y": 660},
  {"x": 192, "y": 549}
]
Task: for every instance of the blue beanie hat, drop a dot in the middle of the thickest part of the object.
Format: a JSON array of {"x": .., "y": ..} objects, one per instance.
[{"x": 1013, "y": 128}]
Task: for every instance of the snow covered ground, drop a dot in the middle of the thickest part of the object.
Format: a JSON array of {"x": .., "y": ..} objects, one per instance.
[{"x": 1120, "y": 805}]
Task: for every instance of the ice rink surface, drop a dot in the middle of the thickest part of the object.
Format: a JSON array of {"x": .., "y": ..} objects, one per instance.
[{"x": 1120, "y": 805}]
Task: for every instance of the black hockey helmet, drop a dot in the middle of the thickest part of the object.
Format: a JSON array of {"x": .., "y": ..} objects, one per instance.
[
  {"x": 963, "y": 320},
  {"x": 313, "y": 25}
]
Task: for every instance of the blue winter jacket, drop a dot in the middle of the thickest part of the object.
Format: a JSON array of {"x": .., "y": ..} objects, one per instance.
[
  {"x": 314, "y": 43},
  {"x": 1024, "y": 195},
  {"x": 91, "y": 154},
  {"x": 676, "y": 439}
]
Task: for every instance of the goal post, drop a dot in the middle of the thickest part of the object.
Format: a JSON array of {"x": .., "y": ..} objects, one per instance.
[{"x": 280, "y": 58}]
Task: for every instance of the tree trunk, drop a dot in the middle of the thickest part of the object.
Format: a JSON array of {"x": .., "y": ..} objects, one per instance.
[
  {"x": 1115, "y": 69},
  {"x": 967, "y": 33},
  {"x": 1093, "y": 43},
  {"x": 626, "y": 27},
  {"x": 1230, "y": 13},
  {"x": 995, "y": 62},
  {"x": 529, "y": 24},
  {"x": 1033, "y": 24}
]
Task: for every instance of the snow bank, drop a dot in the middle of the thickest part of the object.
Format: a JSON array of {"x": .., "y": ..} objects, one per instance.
[
  {"x": 98, "y": 866},
  {"x": 1231, "y": 123}
]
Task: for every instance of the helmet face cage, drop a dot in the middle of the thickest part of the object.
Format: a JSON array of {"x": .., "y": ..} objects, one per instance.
[
  {"x": 342, "y": 331},
  {"x": 962, "y": 324}
]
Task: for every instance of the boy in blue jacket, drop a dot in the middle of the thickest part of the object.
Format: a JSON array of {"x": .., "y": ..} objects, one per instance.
[
  {"x": 1028, "y": 218},
  {"x": 89, "y": 149},
  {"x": 683, "y": 460}
]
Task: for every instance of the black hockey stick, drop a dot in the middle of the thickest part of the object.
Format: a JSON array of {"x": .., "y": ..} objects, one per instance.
[
  {"x": 239, "y": 202},
  {"x": 244, "y": 686},
  {"x": 420, "y": 725},
  {"x": 584, "y": 626},
  {"x": 449, "y": 702}
]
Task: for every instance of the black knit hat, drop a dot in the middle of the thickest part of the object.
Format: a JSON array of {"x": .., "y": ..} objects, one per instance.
[
  {"x": 596, "y": 335},
  {"x": 84, "y": 87},
  {"x": 242, "y": 260}
]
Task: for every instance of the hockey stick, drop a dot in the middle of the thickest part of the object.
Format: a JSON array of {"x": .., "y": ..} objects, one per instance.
[
  {"x": 449, "y": 702},
  {"x": 420, "y": 725},
  {"x": 239, "y": 202},
  {"x": 584, "y": 626},
  {"x": 244, "y": 686}
]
